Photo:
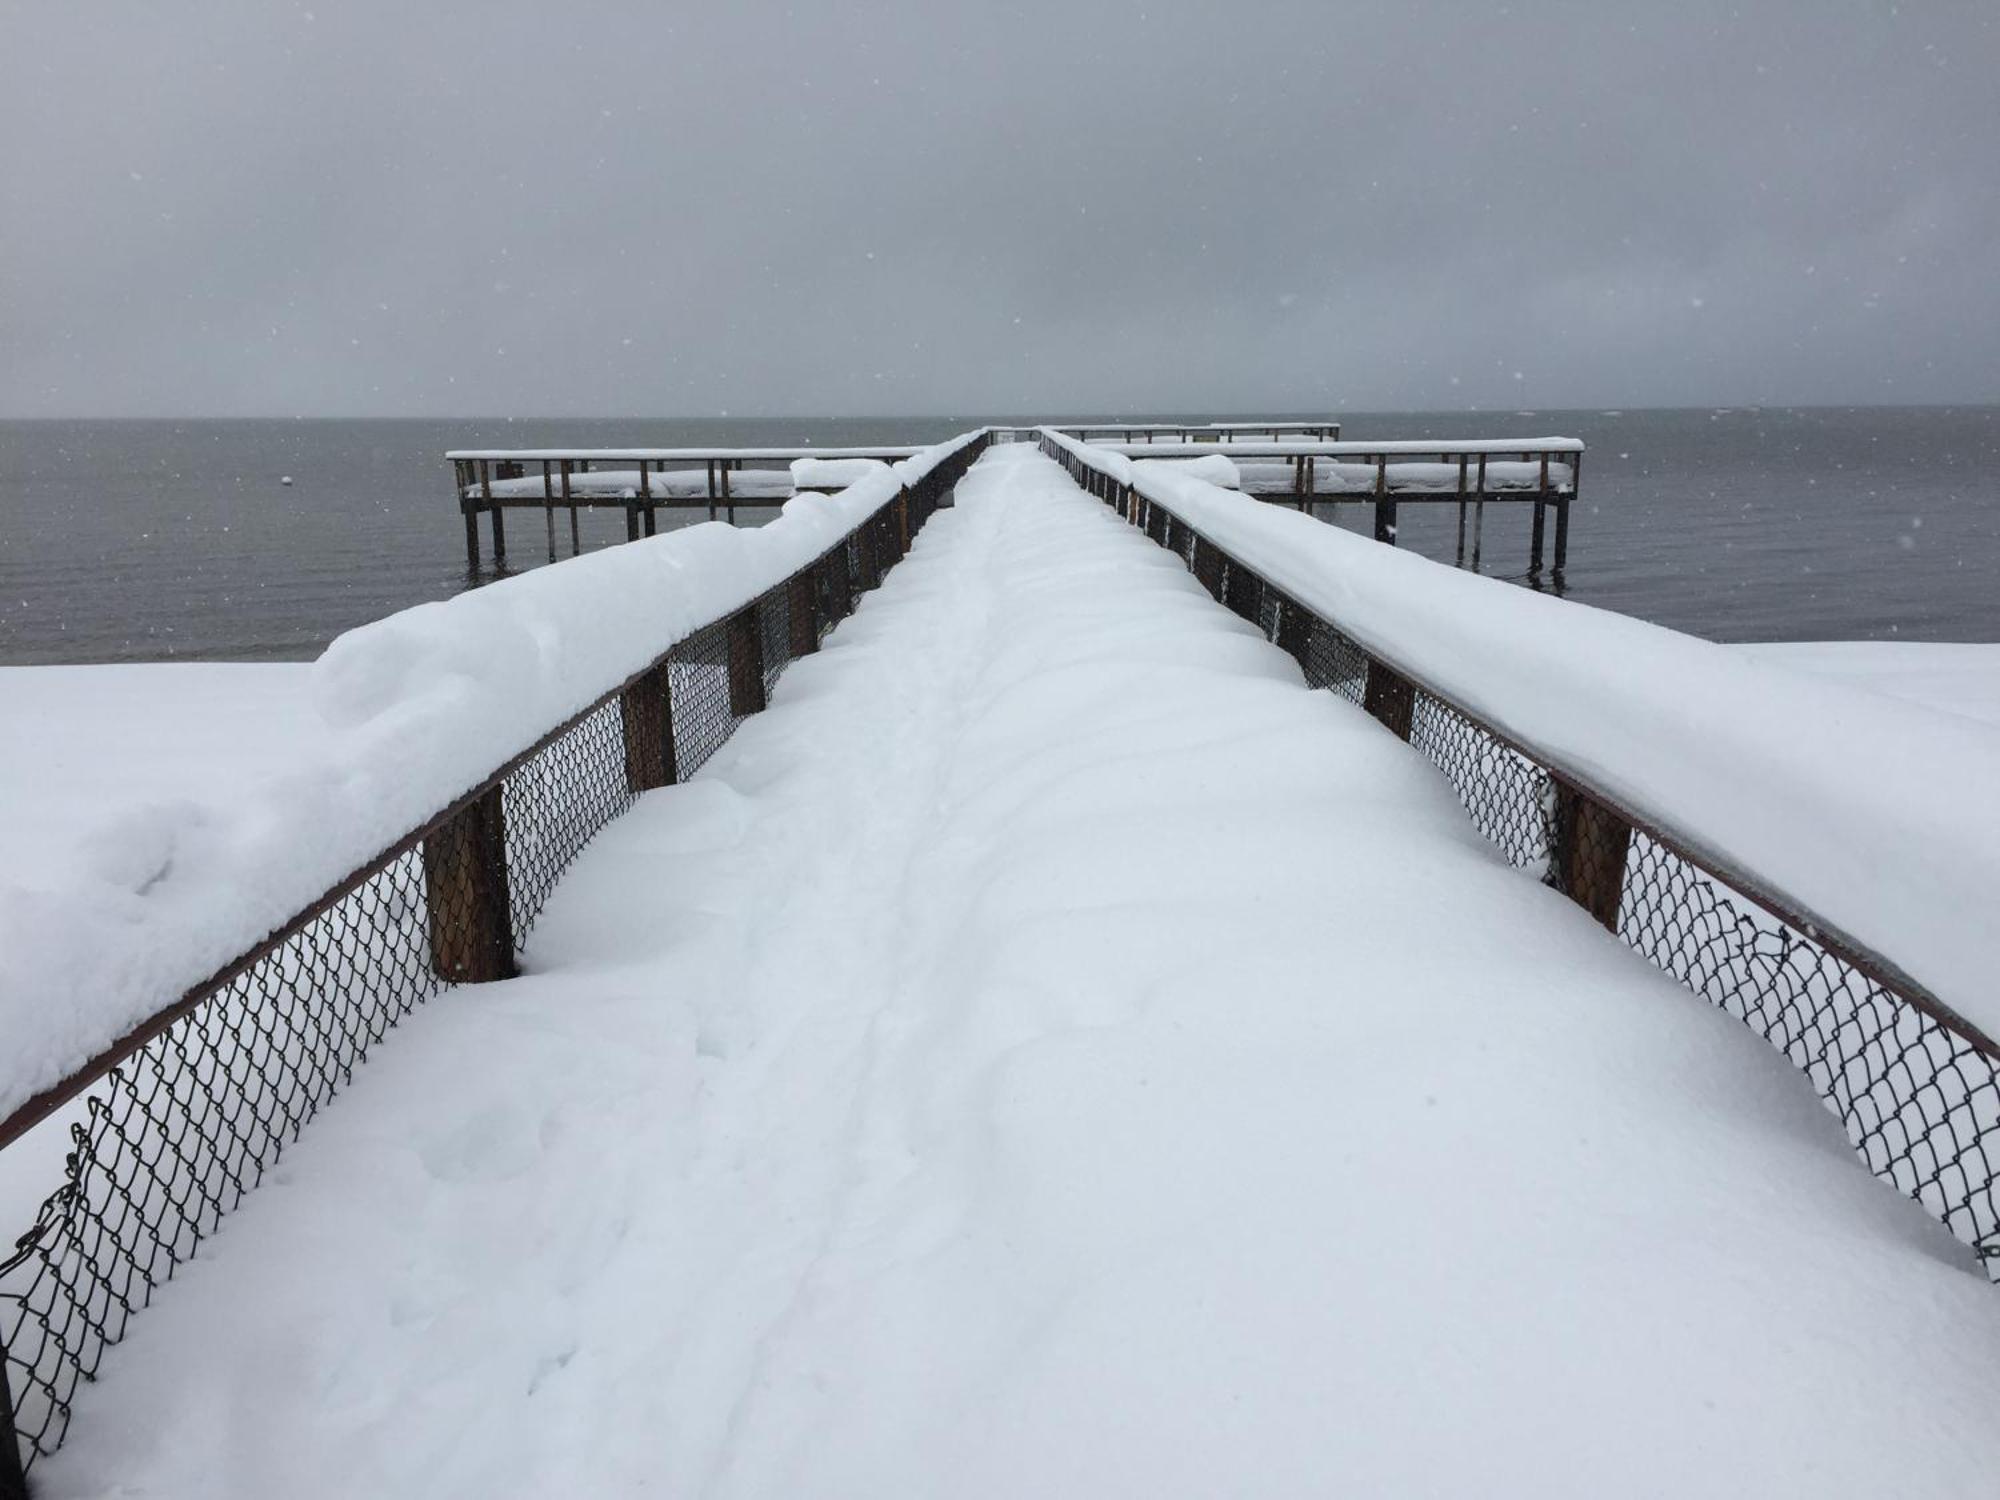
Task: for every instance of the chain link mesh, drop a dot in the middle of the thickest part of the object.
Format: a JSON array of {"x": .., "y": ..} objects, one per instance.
[
  {"x": 1920, "y": 1101},
  {"x": 556, "y": 802},
  {"x": 170, "y": 1137},
  {"x": 1509, "y": 798}
]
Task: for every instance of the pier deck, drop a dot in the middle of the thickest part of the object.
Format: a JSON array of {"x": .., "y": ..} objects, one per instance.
[
  {"x": 1302, "y": 464},
  {"x": 842, "y": 996},
  {"x": 874, "y": 1104}
]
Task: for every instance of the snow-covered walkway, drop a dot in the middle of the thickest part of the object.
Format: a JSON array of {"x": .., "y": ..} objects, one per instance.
[{"x": 1051, "y": 1053}]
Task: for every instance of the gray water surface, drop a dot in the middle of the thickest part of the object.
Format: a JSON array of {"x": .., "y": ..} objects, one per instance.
[{"x": 138, "y": 541}]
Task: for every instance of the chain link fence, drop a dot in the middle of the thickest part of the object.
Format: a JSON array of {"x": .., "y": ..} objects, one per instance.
[
  {"x": 1916, "y": 1087},
  {"x": 172, "y": 1128}
]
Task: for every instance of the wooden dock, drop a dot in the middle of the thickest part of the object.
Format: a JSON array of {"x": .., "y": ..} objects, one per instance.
[
  {"x": 1302, "y": 464},
  {"x": 641, "y": 482},
  {"x": 1538, "y": 472},
  {"x": 1199, "y": 432}
]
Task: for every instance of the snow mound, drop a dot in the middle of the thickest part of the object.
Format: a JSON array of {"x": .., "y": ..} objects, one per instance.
[
  {"x": 1211, "y": 468},
  {"x": 416, "y": 709},
  {"x": 832, "y": 473}
]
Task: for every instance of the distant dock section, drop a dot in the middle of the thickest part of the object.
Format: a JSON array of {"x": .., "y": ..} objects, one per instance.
[
  {"x": 1201, "y": 432},
  {"x": 641, "y": 482},
  {"x": 1303, "y": 464},
  {"x": 1471, "y": 474}
]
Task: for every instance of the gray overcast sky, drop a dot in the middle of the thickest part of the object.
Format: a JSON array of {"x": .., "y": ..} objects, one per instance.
[{"x": 668, "y": 209}]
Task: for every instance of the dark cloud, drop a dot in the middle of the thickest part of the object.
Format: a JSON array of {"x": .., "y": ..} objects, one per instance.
[{"x": 441, "y": 208}]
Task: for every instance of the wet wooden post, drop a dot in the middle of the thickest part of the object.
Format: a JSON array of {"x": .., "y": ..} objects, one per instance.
[
  {"x": 575, "y": 540},
  {"x": 1460, "y": 558},
  {"x": 549, "y": 507},
  {"x": 728, "y": 505},
  {"x": 1390, "y": 697},
  {"x": 1591, "y": 843},
  {"x": 1385, "y": 503},
  {"x": 1479, "y": 514},
  {"x": 903, "y": 522},
  {"x": 1563, "y": 499},
  {"x": 646, "y": 710},
  {"x": 1541, "y": 515},
  {"x": 465, "y": 893},
  {"x": 711, "y": 488},
  {"x": 499, "y": 524},
  {"x": 646, "y": 497},
  {"x": 746, "y": 661},
  {"x": 461, "y": 473}
]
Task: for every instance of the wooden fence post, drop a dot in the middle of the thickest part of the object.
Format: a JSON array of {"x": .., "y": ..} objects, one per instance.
[
  {"x": 1294, "y": 630},
  {"x": 746, "y": 661},
  {"x": 465, "y": 893},
  {"x": 868, "y": 571},
  {"x": 1243, "y": 592},
  {"x": 802, "y": 611},
  {"x": 1591, "y": 842},
  {"x": 1390, "y": 697},
  {"x": 646, "y": 709},
  {"x": 839, "y": 588},
  {"x": 1206, "y": 565}
]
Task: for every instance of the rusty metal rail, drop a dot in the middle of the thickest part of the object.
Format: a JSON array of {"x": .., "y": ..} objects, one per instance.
[
  {"x": 1916, "y": 1085},
  {"x": 183, "y": 1116}
]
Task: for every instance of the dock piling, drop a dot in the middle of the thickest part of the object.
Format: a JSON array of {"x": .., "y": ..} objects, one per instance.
[{"x": 1385, "y": 504}]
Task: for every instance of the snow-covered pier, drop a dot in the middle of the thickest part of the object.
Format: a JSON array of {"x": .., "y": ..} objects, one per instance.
[
  {"x": 640, "y": 482},
  {"x": 1301, "y": 464},
  {"x": 1032, "y": 973},
  {"x": 1249, "y": 429},
  {"x": 1315, "y": 476}
]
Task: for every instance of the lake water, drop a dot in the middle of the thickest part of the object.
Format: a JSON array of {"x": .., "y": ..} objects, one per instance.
[{"x": 135, "y": 541}]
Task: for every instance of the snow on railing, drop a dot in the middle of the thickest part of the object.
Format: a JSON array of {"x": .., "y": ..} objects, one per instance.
[
  {"x": 184, "y": 1009},
  {"x": 1812, "y": 874},
  {"x": 640, "y": 482},
  {"x": 1198, "y": 432}
]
